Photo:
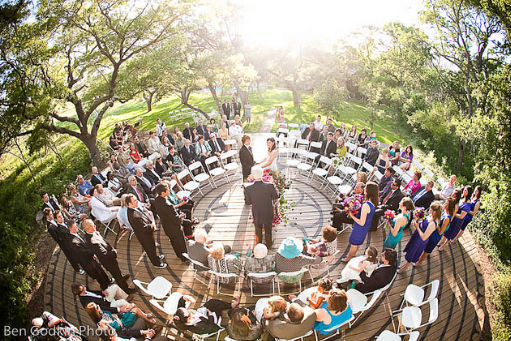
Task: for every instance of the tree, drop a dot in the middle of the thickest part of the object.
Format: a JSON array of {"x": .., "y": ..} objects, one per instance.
[{"x": 73, "y": 53}]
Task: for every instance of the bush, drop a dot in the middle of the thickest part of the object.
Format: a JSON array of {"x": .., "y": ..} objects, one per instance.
[{"x": 502, "y": 301}]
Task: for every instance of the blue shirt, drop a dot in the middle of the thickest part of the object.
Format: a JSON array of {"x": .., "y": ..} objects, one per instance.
[
  {"x": 336, "y": 320},
  {"x": 85, "y": 188}
]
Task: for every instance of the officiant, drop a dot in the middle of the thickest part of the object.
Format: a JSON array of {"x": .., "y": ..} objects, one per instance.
[{"x": 262, "y": 197}]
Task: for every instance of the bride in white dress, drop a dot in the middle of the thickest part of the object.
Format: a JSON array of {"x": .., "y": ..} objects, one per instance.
[{"x": 270, "y": 162}]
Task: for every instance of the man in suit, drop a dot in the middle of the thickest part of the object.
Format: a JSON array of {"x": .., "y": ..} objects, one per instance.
[
  {"x": 201, "y": 128},
  {"x": 188, "y": 153},
  {"x": 217, "y": 144},
  {"x": 174, "y": 224},
  {"x": 386, "y": 181},
  {"x": 146, "y": 184},
  {"x": 106, "y": 254},
  {"x": 424, "y": 196},
  {"x": 328, "y": 147},
  {"x": 59, "y": 232},
  {"x": 85, "y": 256},
  {"x": 225, "y": 120},
  {"x": 226, "y": 108},
  {"x": 300, "y": 320},
  {"x": 137, "y": 190},
  {"x": 324, "y": 134},
  {"x": 310, "y": 133},
  {"x": 85, "y": 296},
  {"x": 261, "y": 196},
  {"x": 197, "y": 248},
  {"x": 372, "y": 153},
  {"x": 246, "y": 157},
  {"x": 150, "y": 173},
  {"x": 187, "y": 132},
  {"x": 382, "y": 275},
  {"x": 389, "y": 202},
  {"x": 140, "y": 147},
  {"x": 49, "y": 202},
  {"x": 96, "y": 177},
  {"x": 144, "y": 228}
]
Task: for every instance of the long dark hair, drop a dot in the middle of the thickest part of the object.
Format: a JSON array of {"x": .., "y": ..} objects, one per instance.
[
  {"x": 469, "y": 193},
  {"x": 457, "y": 195},
  {"x": 240, "y": 322},
  {"x": 372, "y": 193},
  {"x": 451, "y": 205},
  {"x": 478, "y": 191},
  {"x": 274, "y": 143}
]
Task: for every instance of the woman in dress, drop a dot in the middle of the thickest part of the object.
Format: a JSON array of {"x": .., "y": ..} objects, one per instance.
[
  {"x": 383, "y": 161},
  {"x": 270, "y": 162},
  {"x": 119, "y": 321},
  {"x": 342, "y": 130},
  {"x": 280, "y": 115},
  {"x": 68, "y": 209},
  {"x": 406, "y": 158},
  {"x": 464, "y": 208},
  {"x": 335, "y": 311},
  {"x": 394, "y": 153},
  {"x": 213, "y": 125},
  {"x": 223, "y": 132},
  {"x": 474, "y": 207},
  {"x": 456, "y": 195},
  {"x": 135, "y": 156},
  {"x": 435, "y": 237},
  {"x": 81, "y": 203},
  {"x": 414, "y": 185},
  {"x": 363, "y": 219},
  {"x": 352, "y": 135},
  {"x": 361, "y": 139},
  {"x": 195, "y": 135},
  {"x": 417, "y": 243},
  {"x": 398, "y": 224},
  {"x": 248, "y": 112},
  {"x": 174, "y": 160}
]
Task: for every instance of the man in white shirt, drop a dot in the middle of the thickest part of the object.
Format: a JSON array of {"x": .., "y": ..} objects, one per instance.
[
  {"x": 317, "y": 123},
  {"x": 106, "y": 196},
  {"x": 160, "y": 127},
  {"x": 448, "y": 188},
  {"x": 100, "y": 211},
  {"x": 236, "y": 131}
]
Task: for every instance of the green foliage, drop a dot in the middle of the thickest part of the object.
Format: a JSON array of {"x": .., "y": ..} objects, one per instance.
[
  {"x": 502, "y": 300},
  {"x": 330, "y": 96}
]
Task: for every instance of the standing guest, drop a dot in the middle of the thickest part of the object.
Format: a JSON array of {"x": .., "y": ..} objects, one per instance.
[
  {"x": 424, "y": 197},
  {"x": 223, "y": 132},
  {"x": 317, "y": 124},
  {"x": 50, "y": 202},
  {"x": 137, "y": 190},
  {"x": 383, "y": 161},
  {"x": 464, "y": 208},
  {"x": 248, "y": 112},
  {"x": 203, "y": 151},
  {"x": 448, "y": 188},
  {"x": 140, "y": 147},
  {"x": 394, "y": 153},
  {"x": 153, "y": 143},
  {"x": 135, "y": 156},
  {"x": 84, "y": 186},
  {"x": 160, "y": 127},
  {"x": 226, "y": 108},
  {"x": 144, "y": 228},
  {"x": 406, "y": 158},
  {"x": 236, "y": 131},
  {"x": 85, "y": 257},
  {"x": 81, "y": 202},
  {"x": 372, "y": 153},
  {"x": 174, "y": 224},
  {"x": 237, "y": 107},
  {"x": 397, "y": 224},
  {"x": 456, "y": 195},
  {"x": 188, "y": 153},
  {"x": 383, "y": 274},
  {"x": 417, "y": 243},
  {"x": 336, "y": 310},
  {"x": 261, "y": 196},
  {"x": 246, "y": 157},
  {"x": 352, "y": 134},
  {"x": 225, "y": 120},
  {"x": 435, "y": 237},
  {"x": 187, "y": 131},
  {"x": 180, "y": 141},
  {"x": 363, "y": 219},
  {"x": 60, "y": 233},
  {"x": 390, "y": 201},
  {"x": 474, "y": 208},
  {"x": 414, "y": 185},
  {"x": 96, "y": 178}
]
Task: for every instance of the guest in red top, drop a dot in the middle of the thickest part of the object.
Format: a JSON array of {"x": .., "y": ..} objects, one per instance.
[{"x": 134, "y": 153}]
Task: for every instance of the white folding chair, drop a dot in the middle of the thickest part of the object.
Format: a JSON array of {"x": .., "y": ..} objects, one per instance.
[
  {"x": 167, "y": 305},
  {"x": 254, "y": 275},
  {"x": 417, "y": 164},
  {"x": 304, "y": 165},
  {"x": 387, "y": 335},
  {"x": 321, "y": 172},
  {"x": 158, "y": 288},
  {"x": 207, "y": 336},
  {"x": 309, "y": 333},
  {"x": 428, "y": 173},
  {"x": 286, "y": 277},
  {"x": 351, "y": 147},
  {"x": 399, "y": 171},
  {"x": 360, "y": 302},
  {"x": 302, "y": 142},
  {"x": 198, "y": 268},
  {"x": 366, "y": 166},
  {"x": 316, "y": 145},
  {"x": 378, "y": 175},
  {"x": 361, "y": 151},
  {"x": 336, "y": 330},
  {"x": 293, "y": 125},
  {"x": 215, "y": 172},
  {"x": 228, "y": 166},
  {"x": 228, "y": 276},
  {"x": 414, "y": 294},
  {"x": 188, "y": 187},
  {"x": 202, "y": 176},
  {"x": 411, "y": 317}
]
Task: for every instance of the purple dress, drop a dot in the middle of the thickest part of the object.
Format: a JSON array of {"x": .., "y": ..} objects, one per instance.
[
  {"x": 359, "y": 233},
  {"x": 456, "y": 223},
  {"x": 468, "y": 217},
  {"x": 413, "y": 250}
]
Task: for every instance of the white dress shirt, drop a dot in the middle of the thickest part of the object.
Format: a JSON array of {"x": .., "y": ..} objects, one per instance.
[{"x": 101, "y": 212}]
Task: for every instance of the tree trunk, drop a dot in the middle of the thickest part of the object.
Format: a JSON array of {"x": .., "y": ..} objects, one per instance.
[
  {"x": 206, "y": 116},
  {"x": 296, "y": 97},
  {"x": 94, "y": 152},
  {"x": 461, "y": 152},
  {"x": 259, "y": 92},
  {"x": 212, "y": 89},
  {"x": 148, "y": 96}
]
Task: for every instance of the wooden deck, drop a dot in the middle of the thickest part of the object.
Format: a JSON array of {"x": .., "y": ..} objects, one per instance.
[{"x": 222, "y": 211}]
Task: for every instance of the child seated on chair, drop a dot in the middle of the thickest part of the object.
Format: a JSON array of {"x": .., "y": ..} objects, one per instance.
[
  {"x": 324, "y": 247},
  {"x": 367, "y": 263},
  {"x": 318, "y": 297}
]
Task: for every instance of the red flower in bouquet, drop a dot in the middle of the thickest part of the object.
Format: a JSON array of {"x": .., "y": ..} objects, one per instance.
[
  {"x": 419, "y": 214},
  {"x": 389, "y": 215},
  {"x": 351, "y": 205}
]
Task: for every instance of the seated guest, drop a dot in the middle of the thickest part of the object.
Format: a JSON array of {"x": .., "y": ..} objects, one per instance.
[
  {"x": 330, "y": 125},
  {"x": 68, "y": 209},
  {"x": 243, "y": 325},
  {"x": 166, "y": 140},
  {"x": 382, "y": 275},
  {"x": 127, "y": 162},
  {"x": 213, "y": 125},
  {"x": 352, "y": 135},
  {"x": 324, "y": 247},
  {"x": 198, "y": 249},
  {"x": 236, "y": 131},
  {"x": 195, "y": 135},
  {"x": 81, "y": 202},
  {"x": 385, "y": 182},
  {"x": 180, "y": 141},
  {"x": 50, "y": 202},
  {"x": 162, "y": 168},
  {"x": 150, "y": 174},
  {"x": 84, "y": 186},
  {"x": 175, "y": 162},
  {"x": 50, "y": 325},
  {"x": 96, "y": 178},
  {"x": 414, "y": 185},
  {"x": 394, "y": 153},
  {"x": 121, "y": 173},
  {"x": 448, "y": 188},
  {"x": 260, "y": 262},
  {"x": 204, "y": 320},
  {"x": 316, "y": 298},
  {"x": 187, "y": 131},
  {"x": 122, "y": 214},
  {"x": 113, "y": 183},
  {"x": 310, "y": 133},
  {"x": 340, "y": 216},
  {"x": 135, "y": 156},
  {"x": 207, "y": 133},
  {"x": 270, "y": 308},
  {"x": 201, "y": 128},
  {"x": 225, "y": 120},
  {"x": 223, "y": 132},
  {"x": 406, "y": 158},
  {"x": 323, "y": 135},
  {"x": 137, "y": 332},
  {"x": 328, "y": 147},
  {"x": 390, "y": 201},
  {"x": 372, "y": 153},
  {"x": 341, "y": 149},
  {"x": 99, "y": 210},
  {"x": 366, "y": 263},
  {"x": 335, "y": 311},
  {"x": 290, "y": 257},
  {"x": 361, "y": 139},
  {"x": 216, "y": 144},
  {"x": 114, "y": 144},
  {"x": 424, "y": 197},
  {"x": 135, "y": 188},
  {"x": 153, "y": 144},
  {"x": 383, "y": 161},
  {"x": 146, "y": 184},
  {"x": 106, "y": 196},
  {"x": 112, "y": 299},
  {"x": 188, "y": 153},
  {"x": 220, "y": 262},
  {"x": 119, "y": 321},
  {"x": 203, "y": 151},
  {"x": 140, "y": 147},
  {"x": 318, "y": 125}
]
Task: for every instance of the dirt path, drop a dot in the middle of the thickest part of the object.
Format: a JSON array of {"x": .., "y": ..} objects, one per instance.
[{"x": 268, "y": 121}]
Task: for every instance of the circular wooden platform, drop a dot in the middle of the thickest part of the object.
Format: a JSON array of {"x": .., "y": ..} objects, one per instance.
[{"x": 223, "y": 213}]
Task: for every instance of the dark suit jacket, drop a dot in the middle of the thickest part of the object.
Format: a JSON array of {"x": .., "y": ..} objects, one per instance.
[
  {"x": 314, "y": 135},
  {"x": 247, "y": 161},
  {"x": 142, "y": 226},
  {"x": 152, "y": 177},
  {"x": 424, "y": 201},
  {"x": 261, "y": 195},
  {"x": 51, "y": 204},
  {"x": 160, "y": 169},
  {"x": 142, "y": 150},
  {"x": 97, "y": 179},
  {"x": 226, "y": 107},
  {"x": 380, "y": 278},
  {"x": 382, "y": 185},
  {"x": 59, "y": 233},
  {"x": 332, "y": 148},
  {"x": 393, "y": 202},
  {"x": 188, "y": 155},
  {"x": 201, "y": 129},
  {"x": 104, "y": 251},
  {"x": 371, "y": 156},
  {"x": 187, "y": 133},
  {"x": 102, "y": 302},
  {"x": 144, "y": 186},
  {"x": 130, "y": 190},
  {"x": 221, "y": 144},
  {"x": 81, "y": 252}
]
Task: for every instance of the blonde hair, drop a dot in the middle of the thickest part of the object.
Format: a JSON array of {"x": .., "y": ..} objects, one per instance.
[{"x": 217, "y": 251}]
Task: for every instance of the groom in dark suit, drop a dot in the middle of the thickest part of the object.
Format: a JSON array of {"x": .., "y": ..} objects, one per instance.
[
  {"x": 261, "y": 196},
  {"x": 246, "y": 157}
]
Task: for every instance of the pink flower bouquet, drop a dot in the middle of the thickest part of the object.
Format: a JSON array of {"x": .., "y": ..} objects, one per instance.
[
  {"x": 352, "y": 205},
  {"x": 389, "y": 215}
]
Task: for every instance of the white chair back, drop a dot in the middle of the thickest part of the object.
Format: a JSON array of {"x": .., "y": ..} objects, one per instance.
[{"x": 210, "y": 160}]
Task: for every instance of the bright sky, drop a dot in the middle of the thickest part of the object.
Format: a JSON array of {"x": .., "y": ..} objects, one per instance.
[{"x": 277, "y": 22}]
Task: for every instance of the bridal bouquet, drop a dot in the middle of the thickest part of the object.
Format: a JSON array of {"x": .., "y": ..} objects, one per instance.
[
  {"x": 352, "y": 204},
  {"x": 389, "y": 215},
  {"x": 419, "y": 214},
  {"x": 281, "y": 184}
]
